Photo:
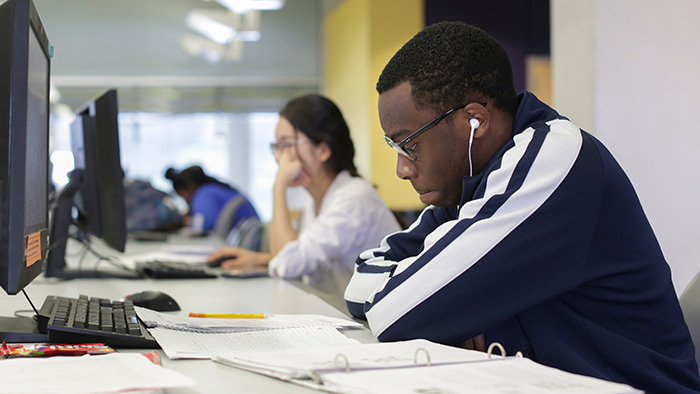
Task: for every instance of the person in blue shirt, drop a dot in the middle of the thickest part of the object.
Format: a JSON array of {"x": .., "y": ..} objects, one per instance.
[
  {"x": 206, "y": 197},
  {"x": 534, "y": 237}
]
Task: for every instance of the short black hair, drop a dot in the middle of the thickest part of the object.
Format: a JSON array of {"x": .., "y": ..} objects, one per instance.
[
  {"x": 319, "y": 119},
  {"x": 452, "y": 63}
]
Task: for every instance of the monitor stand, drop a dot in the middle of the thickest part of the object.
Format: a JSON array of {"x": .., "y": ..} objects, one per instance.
[{"x": 61, "y": 215}]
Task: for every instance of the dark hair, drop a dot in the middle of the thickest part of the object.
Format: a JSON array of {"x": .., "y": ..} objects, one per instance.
[
  {"x": 319, "y": 119},
  {"x": 191, "y": 176},
  {"x": 452, "y": 63}
]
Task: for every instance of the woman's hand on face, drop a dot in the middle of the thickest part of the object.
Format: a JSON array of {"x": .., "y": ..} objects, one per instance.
[{"x": 290, "y": 171}]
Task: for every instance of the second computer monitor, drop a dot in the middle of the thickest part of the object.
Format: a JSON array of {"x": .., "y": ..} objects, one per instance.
[
  {"x": 95, "y": 190},
  {"x": 95, "y": 136}
]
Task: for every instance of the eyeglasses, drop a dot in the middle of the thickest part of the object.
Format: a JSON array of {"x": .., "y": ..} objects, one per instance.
[
  {"x": 400, "y": 147},
  {"x": 281, "y": 146}
]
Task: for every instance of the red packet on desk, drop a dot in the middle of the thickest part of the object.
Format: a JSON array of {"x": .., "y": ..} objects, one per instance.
[
  {"x": 154, "y": 356},
  {"x": 8, "y": 351}
]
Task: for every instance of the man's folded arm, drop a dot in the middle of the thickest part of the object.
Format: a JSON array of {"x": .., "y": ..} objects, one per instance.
[{"x": 374, "y": 266}]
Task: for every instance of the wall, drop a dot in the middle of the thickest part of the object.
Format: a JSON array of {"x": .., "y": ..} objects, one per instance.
[
  {"x": 360, "y": 38},
  {"x": 642, "y": 60},
  {"x": 347, "y": 75},
  {"x": 572, "y": 60},
  {"x": 521, "y": 26}
]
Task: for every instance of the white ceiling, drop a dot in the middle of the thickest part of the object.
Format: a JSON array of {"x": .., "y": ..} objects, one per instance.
[{"x": 134, "y": 45}]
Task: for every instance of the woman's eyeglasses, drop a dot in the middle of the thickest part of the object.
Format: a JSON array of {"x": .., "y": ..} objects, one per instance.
[{"x": 281, "y": 146}]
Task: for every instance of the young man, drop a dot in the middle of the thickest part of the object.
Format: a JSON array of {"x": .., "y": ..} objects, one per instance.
[{"x": 533, "y": 237}]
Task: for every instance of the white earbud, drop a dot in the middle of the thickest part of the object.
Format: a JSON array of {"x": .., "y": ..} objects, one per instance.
[{"x": 474, "y": 123}]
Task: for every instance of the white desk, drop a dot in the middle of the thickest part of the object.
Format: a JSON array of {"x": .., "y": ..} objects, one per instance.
[{"x": 259, "y": 295}]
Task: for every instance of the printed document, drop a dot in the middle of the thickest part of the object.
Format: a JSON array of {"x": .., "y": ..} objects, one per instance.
[{"x": 198, "y": 344}]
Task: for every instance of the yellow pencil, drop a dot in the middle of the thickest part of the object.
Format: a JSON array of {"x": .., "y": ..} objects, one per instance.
[{"x": 230, "y": 315}]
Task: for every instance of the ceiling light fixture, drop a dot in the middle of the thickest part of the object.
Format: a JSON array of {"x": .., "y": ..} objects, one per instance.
[
  {"x": 243, "y": 6},
  {"x": 212, "y": 24}
]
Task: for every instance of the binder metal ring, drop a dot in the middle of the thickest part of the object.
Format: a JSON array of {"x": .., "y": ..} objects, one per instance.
[
  {"x": 427, "y": 356},
  {"x": 347, "y": 363},
  {"x": 496, "y": 345}
]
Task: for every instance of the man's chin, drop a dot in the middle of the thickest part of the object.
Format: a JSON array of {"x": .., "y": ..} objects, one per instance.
[
  {"x": 434, "y": 198},
  {"x": 429, "y": 198}
]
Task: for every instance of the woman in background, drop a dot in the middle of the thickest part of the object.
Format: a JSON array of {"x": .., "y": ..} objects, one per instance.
[
  {"x": 344, "y": 216},
  {"x": 206, "y": 197}
]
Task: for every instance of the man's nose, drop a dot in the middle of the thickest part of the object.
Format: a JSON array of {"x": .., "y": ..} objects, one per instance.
[{"x": 404, "y": 167}]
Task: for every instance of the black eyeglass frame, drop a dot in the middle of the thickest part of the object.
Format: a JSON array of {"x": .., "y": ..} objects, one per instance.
[{"x": 400, "y": 147}]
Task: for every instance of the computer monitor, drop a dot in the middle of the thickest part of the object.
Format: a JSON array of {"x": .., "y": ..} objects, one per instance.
[
  {"x": 24, "y": 156},
  {"x": 93, "y": 200},
  {"x": 95, "y": 144}
]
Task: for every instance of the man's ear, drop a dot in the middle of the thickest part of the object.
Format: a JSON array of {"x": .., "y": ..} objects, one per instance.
[{"x": 481, "y": 114}]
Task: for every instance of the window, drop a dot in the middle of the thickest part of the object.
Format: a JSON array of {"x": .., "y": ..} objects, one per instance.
[{"x": 234, "y": 148}]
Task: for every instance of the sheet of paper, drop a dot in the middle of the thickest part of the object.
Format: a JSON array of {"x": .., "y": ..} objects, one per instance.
[
  {"x": 155, "y": 319},
  {"x": 186, "y": 344},
  {"x": 88, "y": 374},
  {"x": 299, "y": 363},
  {"x": 495, "y": 376}
]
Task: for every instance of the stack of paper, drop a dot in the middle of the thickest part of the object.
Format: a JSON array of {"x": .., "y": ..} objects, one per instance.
[
  {"x": 187, "y": 337},
  {"x": 154, "y": 319},
  {"x": 187, "y": 344},
  {"x": 88, "y": 374}
]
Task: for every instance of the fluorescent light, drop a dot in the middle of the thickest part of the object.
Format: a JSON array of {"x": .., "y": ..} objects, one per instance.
[
  {"x": 211, "y": 51},
  {"x": 243, "y": 6},
  {"x": 210, "y": 27}
]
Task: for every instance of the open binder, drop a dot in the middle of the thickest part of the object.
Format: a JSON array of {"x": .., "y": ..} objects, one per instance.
[{"x": 417, "y": 366}]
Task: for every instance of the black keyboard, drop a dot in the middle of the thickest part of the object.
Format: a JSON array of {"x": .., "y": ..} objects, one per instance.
[
  {"x": 93, "y": 320},
  {"x": 176, "y": 270}
]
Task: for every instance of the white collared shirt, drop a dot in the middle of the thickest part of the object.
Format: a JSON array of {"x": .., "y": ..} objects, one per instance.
[{"x": 352, "y": 218}]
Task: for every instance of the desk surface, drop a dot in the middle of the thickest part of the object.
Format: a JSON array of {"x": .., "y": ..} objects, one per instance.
[{"x": 258, "y": 295}]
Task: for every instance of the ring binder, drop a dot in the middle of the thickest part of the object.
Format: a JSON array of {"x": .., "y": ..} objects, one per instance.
[{"x": 389, "y": 367}]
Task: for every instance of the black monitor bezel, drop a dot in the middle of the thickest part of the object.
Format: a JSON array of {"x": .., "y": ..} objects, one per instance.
[{"x": 16, "y": 18}]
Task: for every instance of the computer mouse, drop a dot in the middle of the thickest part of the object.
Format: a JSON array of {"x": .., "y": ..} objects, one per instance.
[
  {"x": 155, "y": 300},
  {"x": 219, "y": 261}
]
